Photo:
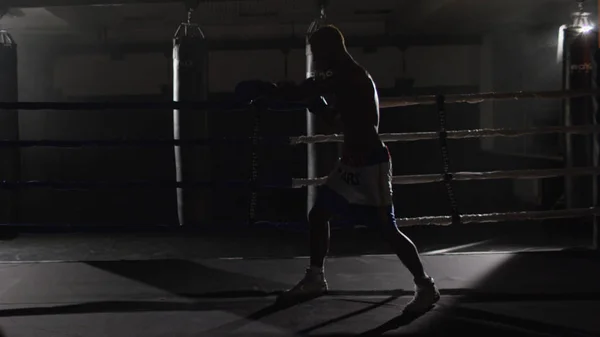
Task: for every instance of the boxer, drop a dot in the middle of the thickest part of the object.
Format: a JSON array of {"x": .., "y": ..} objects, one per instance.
[{"x": 360, "y": 185}]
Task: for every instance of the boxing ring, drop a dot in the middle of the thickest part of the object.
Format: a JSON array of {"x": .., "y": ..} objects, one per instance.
[
  {"x": 257, "y": 182},
  {"x": 146, "y": 289},
  {"x": 139, "y": 289}
]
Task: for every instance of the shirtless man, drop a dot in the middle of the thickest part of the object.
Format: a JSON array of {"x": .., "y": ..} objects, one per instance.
[{"x": 361, "y": 183}]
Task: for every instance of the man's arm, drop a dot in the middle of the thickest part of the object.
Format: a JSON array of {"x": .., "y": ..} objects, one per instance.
[{"x": 309, "y": 90}]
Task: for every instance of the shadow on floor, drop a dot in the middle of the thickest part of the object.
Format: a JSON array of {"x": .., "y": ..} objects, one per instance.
[
  {"x": 531, "y": 278},
  {"x": 189, "y": 279}
]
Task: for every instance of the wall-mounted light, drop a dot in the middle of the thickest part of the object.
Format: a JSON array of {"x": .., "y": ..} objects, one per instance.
[
  {"x": 6, "y": 39},
  {"x": 580, "y": 24}
]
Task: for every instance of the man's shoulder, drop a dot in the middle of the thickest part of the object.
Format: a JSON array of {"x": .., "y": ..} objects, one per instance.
[
  {"x": 353, "y": 70},
  {"x": 349, "y": 77},
  {"x": 353, "y": 76},
  {"x": 338, "y": 75}
]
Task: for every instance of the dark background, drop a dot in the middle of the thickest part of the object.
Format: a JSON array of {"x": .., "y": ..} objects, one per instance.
[{"x": 500, "y": 46}]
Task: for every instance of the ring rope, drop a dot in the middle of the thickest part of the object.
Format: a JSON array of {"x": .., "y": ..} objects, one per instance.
[
  {"x": 466, "y": 176},
  {"x": 301, "y": 182},
  {"x": 454, "y": 134},
  {"x": 389, "y": 102},
  {"x": 168, "y": 105},
  {"x": 170, "y": 184},
  {"x": 386, "y": 137},
  {"x": 498, "y": 217},
  {"x": 141, "y": 142}
]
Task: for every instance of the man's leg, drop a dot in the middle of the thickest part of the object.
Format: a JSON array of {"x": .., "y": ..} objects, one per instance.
[
  {"x": 318, "y": 221},
  {"x": 401, "y": 245},
  {"x": 314, "y": 284},
  {"x": 426, "y": 293}
]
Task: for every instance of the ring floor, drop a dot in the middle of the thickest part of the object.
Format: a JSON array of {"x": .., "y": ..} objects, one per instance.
[{"x": 156, "y": 285}]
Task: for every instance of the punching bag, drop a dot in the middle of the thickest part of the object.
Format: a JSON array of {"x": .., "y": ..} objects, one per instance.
[
  {"x": 10, "y": 158},
  {"x": 311, "y": 121},
  {"x": 580, "y": 46},
  {"x": 192, "y": 164}
]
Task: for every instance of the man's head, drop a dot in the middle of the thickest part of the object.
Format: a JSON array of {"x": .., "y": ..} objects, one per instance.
[{"x": 328, "y": 46}]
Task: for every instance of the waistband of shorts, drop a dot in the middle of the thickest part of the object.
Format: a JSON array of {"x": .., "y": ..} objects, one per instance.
[{"x": 374, "y": 157}]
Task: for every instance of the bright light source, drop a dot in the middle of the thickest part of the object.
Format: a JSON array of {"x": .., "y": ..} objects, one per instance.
[{"x": 582, "y": 22}]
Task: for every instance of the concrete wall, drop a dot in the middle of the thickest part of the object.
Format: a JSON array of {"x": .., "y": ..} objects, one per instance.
[
  {"x": 146, "y": 74},
  {"x": 48, "y": 74},
  {"x": 523, "y": 59},
  {"x": 526, "y": 60}
]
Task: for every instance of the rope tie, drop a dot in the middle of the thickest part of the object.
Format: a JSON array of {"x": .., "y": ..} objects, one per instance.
[
  {"x": 448, "y": 177},
  {"x": 256, "y": 106}
]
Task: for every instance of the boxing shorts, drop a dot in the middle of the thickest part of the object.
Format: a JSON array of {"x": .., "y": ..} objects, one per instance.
[{"x": 359, "y": 186}]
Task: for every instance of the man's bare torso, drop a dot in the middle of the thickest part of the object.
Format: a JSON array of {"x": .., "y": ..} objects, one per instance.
[{"x": 357, "y": 107}]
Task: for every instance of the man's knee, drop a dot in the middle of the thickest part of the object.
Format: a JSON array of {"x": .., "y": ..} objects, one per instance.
[{"x": 386, "y": 220}]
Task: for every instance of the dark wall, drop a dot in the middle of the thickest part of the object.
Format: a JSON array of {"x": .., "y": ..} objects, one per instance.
[
  {"x": 525, "y": 59},
  {"x": 100, "y": 206}
]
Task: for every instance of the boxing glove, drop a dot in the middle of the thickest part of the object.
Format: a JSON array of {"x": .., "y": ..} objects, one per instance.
[
  {"x": 248, "y": 91},
  {"x": 284, "y": 86}
]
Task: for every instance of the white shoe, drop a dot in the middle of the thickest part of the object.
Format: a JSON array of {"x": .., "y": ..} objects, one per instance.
[
  {"x": 312, "y": 285},
  {"x": 426, "y": 295}
]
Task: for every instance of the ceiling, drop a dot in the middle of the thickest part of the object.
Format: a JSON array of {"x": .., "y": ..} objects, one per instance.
[{"x": 398, "y": 16}]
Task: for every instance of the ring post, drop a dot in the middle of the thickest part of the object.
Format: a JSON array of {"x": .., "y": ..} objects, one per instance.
[
  {"x": 580, "y": 39},
  {"x": 596, "y": 139},
  {"x": 567, "y": 117},
  {"x": 311, "y": 152},
  {"x": 596, "y": 152},
  {"x": 9, "y": 124}
]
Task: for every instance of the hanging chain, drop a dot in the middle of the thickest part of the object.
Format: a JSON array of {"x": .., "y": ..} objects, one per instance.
[
  {"x": 446, "y": 159},
  {"x": 322, "y": 14},
  {"x": 254, "y": 163},
  {"x": 322, "y": 4}
]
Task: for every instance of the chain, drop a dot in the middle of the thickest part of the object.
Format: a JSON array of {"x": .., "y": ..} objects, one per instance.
[
  {"x": 440, "y": 99},
  {"x": 322, "y": 4},
  {"x": 189, "y": 16},
  {"x": 254, "y": 165}
]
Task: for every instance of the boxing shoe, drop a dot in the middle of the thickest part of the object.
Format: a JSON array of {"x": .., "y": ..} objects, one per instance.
[
  {"x": 312, "y": 285},
  {"x": 426, "y": 295}
]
